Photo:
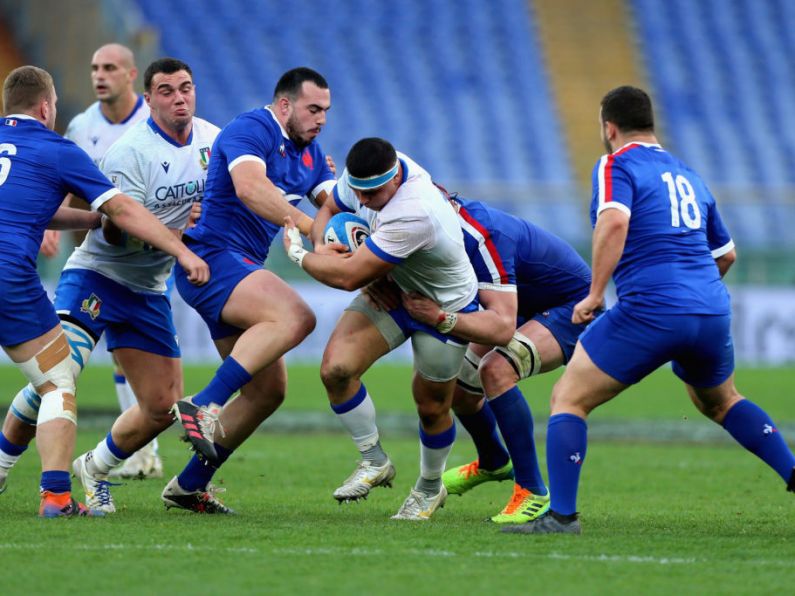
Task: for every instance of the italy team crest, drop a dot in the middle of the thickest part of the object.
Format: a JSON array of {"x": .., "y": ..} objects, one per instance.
[
  {"x": 204, "y": 157},
  {"x": 91, "y": 306}
]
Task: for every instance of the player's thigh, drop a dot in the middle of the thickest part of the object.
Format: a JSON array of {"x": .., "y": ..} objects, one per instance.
[
  {"x": 262, "y": 296},
  {"x": 583, "y": 386},
  {"x": 155, "y": 379},
  {"x": 355, "y": 344},
  {"x": 437, "y": 360}
]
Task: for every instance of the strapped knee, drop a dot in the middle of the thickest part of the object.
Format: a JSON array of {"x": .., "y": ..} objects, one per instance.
[
  {"x": 25, "y": 405},
  {"x": 82, "y": 344},
  {"x": 468, "y": 377},
  {"x": 52, "y": 375},
  {"x": 522, "y": 354}
]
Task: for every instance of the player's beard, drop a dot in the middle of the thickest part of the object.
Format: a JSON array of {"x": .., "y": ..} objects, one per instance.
[{"x": 291, "y": 126}]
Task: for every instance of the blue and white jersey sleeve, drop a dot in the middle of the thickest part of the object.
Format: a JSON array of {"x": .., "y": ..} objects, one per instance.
[
  {"x": 718, "y": 238},
  {"x": 239, "y": 144},
  {"x": 82, "y": 178}
]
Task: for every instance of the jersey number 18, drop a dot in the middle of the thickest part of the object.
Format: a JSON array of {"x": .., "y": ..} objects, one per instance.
[{"x": 683, "y": 201}]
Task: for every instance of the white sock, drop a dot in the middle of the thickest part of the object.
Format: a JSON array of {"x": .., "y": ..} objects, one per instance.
[
  {"x": 432, "y": 461},
  {"x": 124, "y": 392},
  {"x": 7, "y": 461},
  {"x": 360, "y": 423},
  {"x": 102, "y": 460}
]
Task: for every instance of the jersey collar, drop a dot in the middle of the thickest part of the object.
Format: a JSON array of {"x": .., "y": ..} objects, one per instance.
[
  {"x": 153, "y": 125},
  {"x": 636, "y": 143},
  {"x": 279, "y": 124},
  {"x": 139, "y": 102}
]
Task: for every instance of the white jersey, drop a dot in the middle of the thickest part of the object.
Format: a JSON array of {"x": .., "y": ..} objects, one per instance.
[
  {"x": 166, "y": 178},
  {"x": 94, "y": 133},
  {"x": 418, "y": 230}
]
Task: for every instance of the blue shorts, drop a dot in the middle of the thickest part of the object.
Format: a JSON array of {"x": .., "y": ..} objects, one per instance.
[
  {"x": 628, "y": 345},
  {"x": 558, "y": 321},
  {"x": 129, "y": 319},
  {"x": 25, "y": 310},
  {"x": 409, "y": 325},
  {"x": 227, "y": 269}
]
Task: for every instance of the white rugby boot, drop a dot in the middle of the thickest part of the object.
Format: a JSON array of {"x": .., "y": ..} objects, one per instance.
[
  {"x": 419, "y": 507},
  {"x": 95, "y": 486},
  {"x": 365, "y": 477}
]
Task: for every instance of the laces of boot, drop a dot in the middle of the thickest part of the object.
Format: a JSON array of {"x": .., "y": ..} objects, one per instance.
[
  {"x": 102, "y": 492},
  {"x": 208, "y": 421},
  {"x": 471, "y": 469}
]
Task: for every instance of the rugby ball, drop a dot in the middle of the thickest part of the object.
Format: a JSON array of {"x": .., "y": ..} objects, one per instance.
[{"x": 347, "y": 229}]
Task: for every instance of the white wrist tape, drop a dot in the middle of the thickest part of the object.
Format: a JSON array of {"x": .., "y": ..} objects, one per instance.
[
  {"x": 296, "y": 252},
  {"x": 446, "y": 326}
]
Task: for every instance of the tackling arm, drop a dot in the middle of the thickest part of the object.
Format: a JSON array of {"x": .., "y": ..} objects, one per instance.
[
  {"x": 69, "y": 218},
  {"x": 261, "y": 196},
  {"x": 493, "y": 326},
  {"x": 135, "y": 219}
]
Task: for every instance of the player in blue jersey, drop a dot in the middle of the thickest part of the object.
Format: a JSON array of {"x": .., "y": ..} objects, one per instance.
[
  {"x": 263, "y": 163},
  {"x": 535, "y": 279},
  {"x": 37, "y": 169},
  {"x": 659, "y": 234}
]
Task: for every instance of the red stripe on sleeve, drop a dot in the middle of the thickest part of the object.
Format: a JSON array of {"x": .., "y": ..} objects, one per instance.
[{"x": 495, "y": 256}]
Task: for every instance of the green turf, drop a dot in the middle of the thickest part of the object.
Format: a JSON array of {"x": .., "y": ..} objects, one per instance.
[
  {"x": 656, "y": 520},
  {"x": 660, "y": 396}
]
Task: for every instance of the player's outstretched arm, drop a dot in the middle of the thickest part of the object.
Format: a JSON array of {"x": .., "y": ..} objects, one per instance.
[
  {"x": 69, "y": 218},
  {"x": 493, "y": 326},
  {"x": 261, "y": 196},
  {"x": 135, "y": 219}
]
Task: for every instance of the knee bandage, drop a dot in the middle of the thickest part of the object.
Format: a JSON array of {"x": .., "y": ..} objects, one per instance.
[
  {"x": 522, "y": 355},
  {"x": 468, "y": 378},
  {"x": 25, "y": 405},
  {"x": 52, "y": 366},
  {"x": 27, "y": 402}
]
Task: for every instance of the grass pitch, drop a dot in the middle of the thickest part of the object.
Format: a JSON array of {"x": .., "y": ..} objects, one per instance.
[{"x": 658, "y": 518}]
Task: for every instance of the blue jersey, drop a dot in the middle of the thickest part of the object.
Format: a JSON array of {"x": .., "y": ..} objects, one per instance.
[
  {"x": 675, "y": 232},
  {"x": 507, "y": 252},
  {"x": 296, "y": 171},
  {"x": 38, "y": 168}
]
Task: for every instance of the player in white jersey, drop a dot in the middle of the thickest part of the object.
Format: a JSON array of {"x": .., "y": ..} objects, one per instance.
[
  {"x": 417, "y": 240},
  {"x": 114, "y": 284},
  {"x": 118, "y": 106},
  {"x": 117, "y": 109}
]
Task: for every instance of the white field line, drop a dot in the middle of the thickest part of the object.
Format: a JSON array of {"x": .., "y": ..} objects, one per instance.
[{"x": 375, "y": 552}]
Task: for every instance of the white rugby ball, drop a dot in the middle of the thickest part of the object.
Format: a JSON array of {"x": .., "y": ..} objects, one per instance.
[{"x": 348, "y": 229}]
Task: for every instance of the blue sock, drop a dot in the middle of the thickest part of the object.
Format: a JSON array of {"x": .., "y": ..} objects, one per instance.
[
  {"x": 114, "y": 448},
  {"x": 196, "y": 474},
  {"x": 10, "y": 448},
  {"x": 482, "y": 427},
  {"x": 229, "y": 377},
  {"x": 752, "y": 428},
  {"x": 567, "y": 441},
  {"x": 56, "y": 481},
  {"x": 516, "y": 425}
]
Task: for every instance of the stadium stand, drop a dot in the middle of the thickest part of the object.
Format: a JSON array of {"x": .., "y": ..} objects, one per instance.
[{"x": 723, "y": 76}]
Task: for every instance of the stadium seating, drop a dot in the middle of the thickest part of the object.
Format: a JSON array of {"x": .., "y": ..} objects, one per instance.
[{"x": 459, "y": 86}]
